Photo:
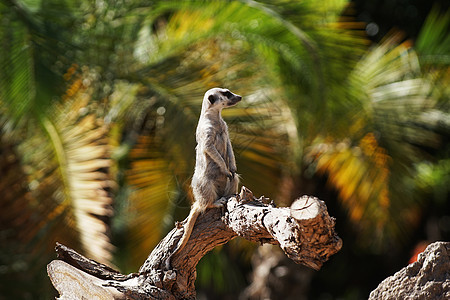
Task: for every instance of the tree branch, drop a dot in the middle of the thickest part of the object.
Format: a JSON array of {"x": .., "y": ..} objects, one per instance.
[{"x": 304, "y": 231}]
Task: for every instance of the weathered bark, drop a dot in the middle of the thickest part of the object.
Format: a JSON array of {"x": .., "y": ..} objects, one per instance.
[
  {"x": 304, "y": 231},
  {"x": 428, "y": 278}
]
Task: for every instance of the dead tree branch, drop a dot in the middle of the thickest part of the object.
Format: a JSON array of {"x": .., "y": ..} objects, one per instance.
[{"x": 304, "y": 231}]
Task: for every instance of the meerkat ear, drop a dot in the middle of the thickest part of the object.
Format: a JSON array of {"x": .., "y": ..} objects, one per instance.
[{"x": 212, "y": 98}]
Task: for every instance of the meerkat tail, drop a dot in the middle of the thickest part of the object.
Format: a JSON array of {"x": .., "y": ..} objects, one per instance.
[{"x": 193, "y": 215}]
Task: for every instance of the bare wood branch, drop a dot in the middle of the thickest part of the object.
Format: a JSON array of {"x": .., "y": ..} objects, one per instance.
[
  {"x": 89, "y": 266},
  {"x": 304, "y": 231}
]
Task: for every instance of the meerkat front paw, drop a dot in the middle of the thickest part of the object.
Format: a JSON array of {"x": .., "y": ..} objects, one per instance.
[
  {"x": 231, "y": 174},
  {"x": 221, "y": 202}
]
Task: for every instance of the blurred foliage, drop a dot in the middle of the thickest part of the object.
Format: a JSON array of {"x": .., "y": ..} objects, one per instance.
[{"x": 99, "y": 101}]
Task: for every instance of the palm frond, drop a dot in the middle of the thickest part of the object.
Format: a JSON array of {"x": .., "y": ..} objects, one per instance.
[
  {"x": 361, "y": 174},
  {"x": 395, "y": 95},
  {"x": 17, "y": 82},
  {"x": 433, "y": 42},
  {"x": 85, "y": 151},
  {"x": 370, "y": 168},
  {"x": 153, "y": 184},
  {"x": 69, "y": 173}
]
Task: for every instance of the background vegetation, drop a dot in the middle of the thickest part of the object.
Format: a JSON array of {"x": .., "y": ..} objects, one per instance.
[{"x": 99, "y": 100}]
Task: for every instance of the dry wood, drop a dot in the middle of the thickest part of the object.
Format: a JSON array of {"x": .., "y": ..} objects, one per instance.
[{"x": 304, "y": 231}]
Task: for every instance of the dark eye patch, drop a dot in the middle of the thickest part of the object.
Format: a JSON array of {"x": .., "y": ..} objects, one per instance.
[
  {"x": 227, "y": 94},
  {"x": 212, "y": 98}
]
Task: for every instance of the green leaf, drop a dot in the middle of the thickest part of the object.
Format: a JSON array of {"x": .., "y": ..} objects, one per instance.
[
  {"x": 433, "y": 42},
  {"x": 17, "y": 82}
]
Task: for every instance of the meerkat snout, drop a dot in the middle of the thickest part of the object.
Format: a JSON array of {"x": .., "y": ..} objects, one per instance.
[{"x": 235, "y": 99}]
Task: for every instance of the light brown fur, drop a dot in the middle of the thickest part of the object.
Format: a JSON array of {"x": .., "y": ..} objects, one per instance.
[{"x": 215, "y": 175}]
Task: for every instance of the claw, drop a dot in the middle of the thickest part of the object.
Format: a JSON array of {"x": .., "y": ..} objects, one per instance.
[{"x": 222, "y": 201}]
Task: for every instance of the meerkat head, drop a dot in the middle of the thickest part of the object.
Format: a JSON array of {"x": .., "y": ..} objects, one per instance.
[{"x": 218, "y": 98}]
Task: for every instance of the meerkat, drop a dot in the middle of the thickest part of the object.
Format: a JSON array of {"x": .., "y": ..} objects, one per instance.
[{"x": 215, "y": 175}]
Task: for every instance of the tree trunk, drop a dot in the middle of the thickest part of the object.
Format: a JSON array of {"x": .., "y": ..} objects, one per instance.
[{"x": 305, "y": 232}]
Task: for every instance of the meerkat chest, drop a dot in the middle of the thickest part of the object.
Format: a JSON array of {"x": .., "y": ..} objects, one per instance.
[
  {"x": 221, "y": 140},
  {"x": 221, "y": 134},
  {"x": 214, "y": 132}
]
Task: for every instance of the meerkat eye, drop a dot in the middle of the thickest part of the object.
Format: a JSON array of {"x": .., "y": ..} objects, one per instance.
[
  {"x": 227, "y": 94},
  {"x": 212, "y": 98}
]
